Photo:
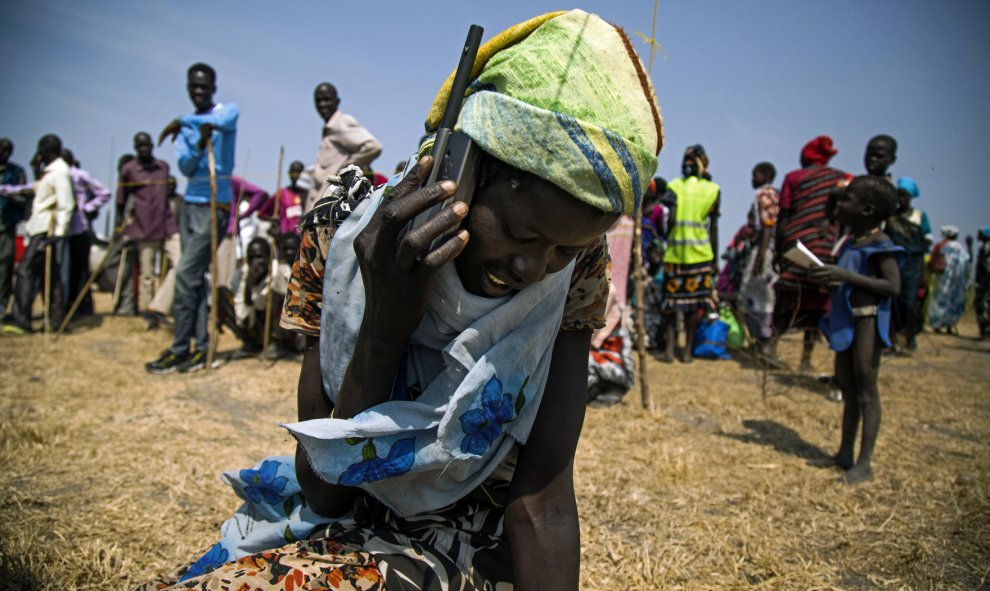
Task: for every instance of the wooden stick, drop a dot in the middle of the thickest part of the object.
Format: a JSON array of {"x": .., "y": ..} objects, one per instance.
[
  {"x": 119, "y": 283},
  {"x": 48, "y": 272},
  {"x": 89, "y": 283},
  {"x": 639, "y": 269},
  {"x": 640, "y": 290},
  {"x": 266, "y": 337},
  {"x": 212, "y": 332}
]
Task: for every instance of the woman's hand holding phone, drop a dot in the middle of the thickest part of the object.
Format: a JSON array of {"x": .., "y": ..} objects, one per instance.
[{"x": 396, "y": 265}]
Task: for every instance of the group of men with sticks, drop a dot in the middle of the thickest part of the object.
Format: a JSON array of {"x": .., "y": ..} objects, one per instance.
[{"x": 189, "y": 235}]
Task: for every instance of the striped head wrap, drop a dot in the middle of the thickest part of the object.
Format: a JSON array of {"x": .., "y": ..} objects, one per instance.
[{"x": 563, "y": 96}]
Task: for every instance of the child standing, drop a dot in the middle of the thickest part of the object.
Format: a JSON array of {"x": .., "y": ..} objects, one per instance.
[{"x": 864, "y": 281}]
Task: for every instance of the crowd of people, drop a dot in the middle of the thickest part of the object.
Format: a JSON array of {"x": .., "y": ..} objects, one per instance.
[
  {"x": 161, "y": 245},
  {"x": 828, "y": 254},
  {"x": 446, "y": 366},
  {"x": 761, "y": 281}
]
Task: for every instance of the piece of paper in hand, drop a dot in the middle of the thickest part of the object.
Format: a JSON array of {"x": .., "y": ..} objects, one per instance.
[{"x": 801, "y": 256}]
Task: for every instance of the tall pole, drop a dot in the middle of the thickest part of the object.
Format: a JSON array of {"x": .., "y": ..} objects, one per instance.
[
  {"x": 211, "y": 349},
  {"x": 266, "y": 336},
  {"x": 639, "y": 269}
]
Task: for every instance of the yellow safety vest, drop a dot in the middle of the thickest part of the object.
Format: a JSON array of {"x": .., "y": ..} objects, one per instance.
[{"x": 688, "y": 242}]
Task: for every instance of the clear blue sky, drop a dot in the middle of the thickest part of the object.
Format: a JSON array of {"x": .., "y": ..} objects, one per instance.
[{"x": 750, "y": 80}]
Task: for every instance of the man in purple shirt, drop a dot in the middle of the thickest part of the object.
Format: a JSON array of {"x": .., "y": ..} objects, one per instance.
[
  {"x": 247, "y": 198},
  {"x": 143, "y": 197},
  {"x": 91, "y": 195}
]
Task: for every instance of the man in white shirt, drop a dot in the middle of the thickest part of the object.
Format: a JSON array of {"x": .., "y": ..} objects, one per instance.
[
  {"x": 48, "y": 226},
  {"x": 344, "y": 142}
]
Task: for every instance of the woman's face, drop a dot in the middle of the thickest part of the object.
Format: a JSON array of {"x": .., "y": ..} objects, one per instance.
[{"x": 520, "y": 232}]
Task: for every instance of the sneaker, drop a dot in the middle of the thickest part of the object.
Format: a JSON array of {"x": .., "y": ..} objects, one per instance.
[
  {"x": 195, "y": 362},
  {"x": 154, "y": 319},
  {"x": 167, "y": 363},
  {"x": 14, "y": 330}
]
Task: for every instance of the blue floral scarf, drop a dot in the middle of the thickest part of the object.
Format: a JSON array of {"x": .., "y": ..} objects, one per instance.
[{"x": 482, "y": 366}]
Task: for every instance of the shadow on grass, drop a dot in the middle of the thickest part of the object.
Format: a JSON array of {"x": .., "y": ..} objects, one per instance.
[
  {"x": 809, "y": 383},
  {"x": 783, "y": 439}
]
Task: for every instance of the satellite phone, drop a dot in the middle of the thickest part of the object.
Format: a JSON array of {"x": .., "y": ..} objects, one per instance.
[{"x": 454, "y": 154}]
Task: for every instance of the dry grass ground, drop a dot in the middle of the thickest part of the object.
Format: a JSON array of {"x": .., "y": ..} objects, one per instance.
[{"x": 108, "y": 475}]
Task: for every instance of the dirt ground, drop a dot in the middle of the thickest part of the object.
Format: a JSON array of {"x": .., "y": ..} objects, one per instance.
[{"x": 108, "y": 474}]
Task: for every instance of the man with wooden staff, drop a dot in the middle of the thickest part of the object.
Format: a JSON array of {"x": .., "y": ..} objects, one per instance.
[
  {"x": 216, "y": 124},
  {"x": 49, "y": 223},
  {"x": 144, "y": 190}
]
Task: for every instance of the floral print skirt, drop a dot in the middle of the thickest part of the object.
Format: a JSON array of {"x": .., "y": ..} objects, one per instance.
[
  {"x": 688, "y": 287},
  {"x": 459, "y": 547}
]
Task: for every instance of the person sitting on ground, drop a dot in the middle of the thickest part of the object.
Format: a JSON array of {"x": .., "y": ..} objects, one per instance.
[
  {"x": 610, "y": 361},
  {"x": 465, "y": 479},
  {"x": 864, "y": 282},
  {"x": 244, "y": 313}
]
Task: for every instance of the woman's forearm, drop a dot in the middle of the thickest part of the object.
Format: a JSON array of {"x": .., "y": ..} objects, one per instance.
[
  {"x": 544, "y": 539},
  {"x": 370, "y": 375}
]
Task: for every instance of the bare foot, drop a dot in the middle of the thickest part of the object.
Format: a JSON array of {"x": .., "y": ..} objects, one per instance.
[{"x": 857, "y": 474}]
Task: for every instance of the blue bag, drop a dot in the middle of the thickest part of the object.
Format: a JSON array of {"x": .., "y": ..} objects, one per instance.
[{"x": 711, "y": 339}]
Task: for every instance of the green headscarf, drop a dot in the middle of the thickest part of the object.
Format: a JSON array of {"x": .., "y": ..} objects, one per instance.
[{"x": 564, "y": 96}]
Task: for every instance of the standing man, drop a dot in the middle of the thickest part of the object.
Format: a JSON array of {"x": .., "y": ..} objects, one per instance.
[
  {"x": 13, "y": 209},
  {"x": 344, "y": 142},
  {"x": 91, "y": 195},
  {"x": 218, "y": 122},
  {"x": 143, "y": 196},
  {"x": 47, "y": 226}
]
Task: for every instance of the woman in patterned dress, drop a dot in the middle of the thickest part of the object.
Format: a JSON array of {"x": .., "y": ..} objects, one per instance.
[{"x": 441, "y": 408}]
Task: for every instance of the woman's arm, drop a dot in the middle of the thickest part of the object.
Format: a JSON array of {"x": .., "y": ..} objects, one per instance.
[
  {"x": 541, "y": 520},
  {"x": 325, "y": 499},
  {"x": 397, "y": 279}
]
